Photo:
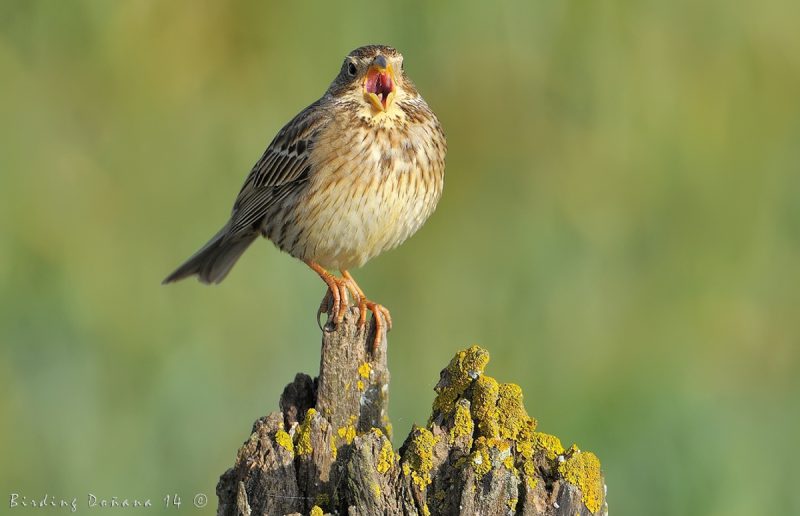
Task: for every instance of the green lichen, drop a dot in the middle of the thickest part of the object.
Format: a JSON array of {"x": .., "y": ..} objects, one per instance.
[
  {"x": 463, "y": 426},
  {"x": 582, "y": 469},
  {"x": 418, "y": 458},
  {"x": 284, "y": 440},
  {"x": 302, "y": 445},
  {"x": 317, "y": 511},
  {"x": 466, "y": 366}
]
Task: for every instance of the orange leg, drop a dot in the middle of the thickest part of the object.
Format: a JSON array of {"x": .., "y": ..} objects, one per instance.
[
  {"x": 379, "y": 312},
  {"x": 336, "y": 300}
]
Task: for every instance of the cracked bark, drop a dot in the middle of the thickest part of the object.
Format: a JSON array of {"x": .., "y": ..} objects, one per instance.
[{"x": 327, "y": 450}]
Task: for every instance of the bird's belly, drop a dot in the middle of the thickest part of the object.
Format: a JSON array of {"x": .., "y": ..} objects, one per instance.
[
  {"x": 344, "y": 225},
  {"x": 369, "y": 191}
]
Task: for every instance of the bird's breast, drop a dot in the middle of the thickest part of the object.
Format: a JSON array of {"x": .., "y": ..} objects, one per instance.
[{"x": 370, "y": 189}]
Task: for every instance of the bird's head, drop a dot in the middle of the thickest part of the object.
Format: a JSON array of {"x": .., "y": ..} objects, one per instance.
[{"x": 373, "y": 78}]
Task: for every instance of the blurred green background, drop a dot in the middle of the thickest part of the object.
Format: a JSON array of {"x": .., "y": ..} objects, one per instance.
[{"x": 620, "y": 228}]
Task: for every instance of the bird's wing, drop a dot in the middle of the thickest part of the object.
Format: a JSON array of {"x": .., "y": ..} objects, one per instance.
[{"x": 284, "y": 167}]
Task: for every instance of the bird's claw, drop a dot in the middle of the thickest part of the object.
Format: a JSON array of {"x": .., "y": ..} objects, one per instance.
[
  {"x": 324, "y": 307},
  {"x": 337, "y": 301},
  {"x": 381, "y": 316},
  {"x": 335, "y": 304}
]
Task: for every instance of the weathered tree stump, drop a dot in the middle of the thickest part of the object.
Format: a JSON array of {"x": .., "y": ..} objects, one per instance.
[{"x": 328, "y": 449}]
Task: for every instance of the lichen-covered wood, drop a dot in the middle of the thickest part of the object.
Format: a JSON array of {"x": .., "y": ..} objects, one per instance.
[{"x": 328, "y": 449}]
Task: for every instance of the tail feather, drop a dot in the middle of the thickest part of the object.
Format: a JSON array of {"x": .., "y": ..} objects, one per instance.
[{"x": 214, "y": 260}]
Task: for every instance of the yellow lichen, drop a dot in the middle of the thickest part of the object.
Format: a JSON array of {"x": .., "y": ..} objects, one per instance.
[
  {"x": 486, "y": 450},
  {"x": 364, "y": 370},
  {"x": 348, "y": 433},
  {"x": 512, "y": 418},
  {"x": 501, "y": 432},
  {"x": 334, "y": 450},
  {"x": 525, "y": 448},
  {"x": 360, "y": 385},
  {"x": 479, "y": 458},
  {"x": 376, "y": 490},
  {"x": 462, "y": 423},
  {"x": 512, "y": 504},
  {"x": 284, "y": 440},
  {"x": 465, "y": 367},
  {"x": 582, "y": 469},
  {"x": 529, "y": 468},
  {"x": 484, "y": 406},
  {"x": 386, "y": 456},
  {"x": 302, "y": 445},
  {"x": 549, "y": 443},
  {"x": 418, "y": 459},
  {"x": 317, "y": 511}
]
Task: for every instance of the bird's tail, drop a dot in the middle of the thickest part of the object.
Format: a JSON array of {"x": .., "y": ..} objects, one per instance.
[{"x": 214, "y": 260}]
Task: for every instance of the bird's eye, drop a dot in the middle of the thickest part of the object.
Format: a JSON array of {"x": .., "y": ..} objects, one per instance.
[{"x": 351, "y": 69}]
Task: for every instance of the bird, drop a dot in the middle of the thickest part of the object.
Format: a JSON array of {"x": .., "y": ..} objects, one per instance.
[{"x": 354, "y": 174}]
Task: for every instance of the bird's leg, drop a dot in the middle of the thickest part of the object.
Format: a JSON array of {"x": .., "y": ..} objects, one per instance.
[
  {"x": 336, "y": 300},
  {"x": 379, "y": 312},
  {"x": 359, "y": 295}
]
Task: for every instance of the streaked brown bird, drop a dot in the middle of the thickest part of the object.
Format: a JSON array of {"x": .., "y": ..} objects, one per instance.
[{"x": 354, "y": 174}]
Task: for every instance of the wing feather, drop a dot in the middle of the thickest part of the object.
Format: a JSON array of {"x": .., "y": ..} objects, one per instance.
[{"x": 284, "y": 167}]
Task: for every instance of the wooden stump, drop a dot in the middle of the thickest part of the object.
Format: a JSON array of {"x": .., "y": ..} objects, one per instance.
[{"x": 328, "y": 449}]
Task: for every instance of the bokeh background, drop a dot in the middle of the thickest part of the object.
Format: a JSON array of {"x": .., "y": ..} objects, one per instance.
[{"x": 620, "y": 228}]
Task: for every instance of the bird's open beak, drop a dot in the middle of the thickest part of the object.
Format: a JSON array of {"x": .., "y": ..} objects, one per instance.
[{"x": 379, "y": 84}]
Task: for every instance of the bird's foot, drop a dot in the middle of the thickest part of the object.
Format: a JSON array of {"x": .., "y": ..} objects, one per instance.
[
  {"x": 381, "y": 316},
  {"x": 335, "y": 302},
  {"x": 380, "y": 313}
]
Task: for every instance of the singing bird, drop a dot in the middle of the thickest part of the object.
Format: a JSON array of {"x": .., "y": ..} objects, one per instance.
[{"x": 352, "y": 175}]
